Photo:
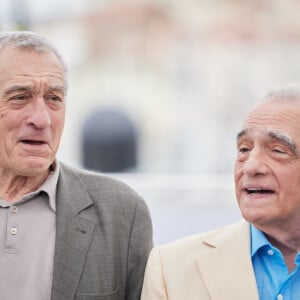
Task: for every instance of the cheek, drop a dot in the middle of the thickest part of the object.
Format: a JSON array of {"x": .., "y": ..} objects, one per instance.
[
  {"x": 237, "y": 171},
  {"x": 289, "y": 187},
  {"x": 236, "y": 183},
  {"x": 289, "y": 177},
  {"x": 57, "y": 128},
  {"x": 10, "y": 122},
  {"x": 58, "y": 120}
]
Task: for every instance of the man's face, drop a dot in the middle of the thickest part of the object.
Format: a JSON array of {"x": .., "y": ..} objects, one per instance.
[
  {"x": 32, "y": 111},
  {"x": 267, "y": 169}
]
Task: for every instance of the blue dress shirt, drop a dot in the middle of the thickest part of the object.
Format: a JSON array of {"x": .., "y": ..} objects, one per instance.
[{"x": 274, "y": 282}]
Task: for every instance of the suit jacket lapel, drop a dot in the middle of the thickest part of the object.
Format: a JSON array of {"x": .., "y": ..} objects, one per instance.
[
  {"x": 73, "y": 235},
  {"x": 226, "y": 267}
]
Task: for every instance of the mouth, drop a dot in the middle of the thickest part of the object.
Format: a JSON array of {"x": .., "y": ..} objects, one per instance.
[
  {"x": 259, "y": 191},
  {"x": 29, "y": 142},
  {"x": 32, "y": 142}
]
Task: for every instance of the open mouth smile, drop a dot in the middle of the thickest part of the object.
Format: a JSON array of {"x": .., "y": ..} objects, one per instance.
[{"x": 258, "y": 191}]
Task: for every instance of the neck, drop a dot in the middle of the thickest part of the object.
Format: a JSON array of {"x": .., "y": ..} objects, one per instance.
[
  {"x": 287, "y": 241},
  {"x": 289, "y": 247},
  {"x": 13, "y": 188}
]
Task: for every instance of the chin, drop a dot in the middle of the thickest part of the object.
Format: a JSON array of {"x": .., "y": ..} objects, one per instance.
[
  {"x": 35, "y": 167},
  {"x": 253, "y": 216}
]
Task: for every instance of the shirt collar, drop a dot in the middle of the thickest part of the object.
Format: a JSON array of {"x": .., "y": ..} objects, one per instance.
[
  {"x": 49, "y": 186},
  {"x": 258, "y": 240}
]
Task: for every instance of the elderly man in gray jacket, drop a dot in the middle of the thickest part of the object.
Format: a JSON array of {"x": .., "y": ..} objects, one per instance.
[{"x": 64, "y": 233}]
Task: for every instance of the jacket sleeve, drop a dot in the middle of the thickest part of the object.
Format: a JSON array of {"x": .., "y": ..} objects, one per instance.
[
  {"x": 140, "y": 245},
  {"x": 154, "y": 286}
]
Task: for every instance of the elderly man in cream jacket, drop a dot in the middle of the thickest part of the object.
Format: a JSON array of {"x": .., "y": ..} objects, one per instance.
[{"x": 257, "y": 258}]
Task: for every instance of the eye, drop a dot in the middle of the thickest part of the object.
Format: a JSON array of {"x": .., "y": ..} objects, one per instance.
[
  {"x": 243, "y": 149},
  {"x": 22, "y": 97},
  {"x": 18, "y": 101},
  {"x": 54, "y": 98},
  {"x": 55, "y": 101},
  {"x": 279, "y": 150}
]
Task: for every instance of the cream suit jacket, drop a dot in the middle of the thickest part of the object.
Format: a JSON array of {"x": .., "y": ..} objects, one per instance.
[{"x": 215, "y": 265}]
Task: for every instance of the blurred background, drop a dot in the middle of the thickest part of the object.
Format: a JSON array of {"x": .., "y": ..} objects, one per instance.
[{"x": 158, "y": 90}]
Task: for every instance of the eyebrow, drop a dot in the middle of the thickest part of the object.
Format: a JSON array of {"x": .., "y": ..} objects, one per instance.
[
  {"x": 276, "y": 135},
  {"x": 285, "y": 139},
  {"x": 241, "y": 133},
  {"x": 57, "y": 88},
  {"x": 24, "y": 88},
  {"x": 17, "y": 88}
]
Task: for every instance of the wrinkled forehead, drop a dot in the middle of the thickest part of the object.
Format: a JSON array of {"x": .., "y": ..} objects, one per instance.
[
  {"x": 272, "y": 114},
  {"x": 273, "y": 120},
  {"x": 20, "y": 66}
]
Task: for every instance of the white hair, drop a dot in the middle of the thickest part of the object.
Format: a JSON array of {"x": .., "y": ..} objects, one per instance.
[{"x": 287, "y": 92}]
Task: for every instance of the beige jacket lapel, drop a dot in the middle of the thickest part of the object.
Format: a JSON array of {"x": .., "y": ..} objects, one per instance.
[{"x": 226, "y": 267}]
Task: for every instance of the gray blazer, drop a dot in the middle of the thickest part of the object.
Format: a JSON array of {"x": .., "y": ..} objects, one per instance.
[{"x": 103, "y": 238}]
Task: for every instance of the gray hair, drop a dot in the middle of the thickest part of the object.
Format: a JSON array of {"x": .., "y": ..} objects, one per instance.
[
  {"x": 287, "y": 92},
  {"x": 32, "y": 41}
]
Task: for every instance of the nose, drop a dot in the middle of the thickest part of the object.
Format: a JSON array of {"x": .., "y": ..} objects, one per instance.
[
  {"x": 39, "y": 114},
  {"x": 256, "y": 163}
]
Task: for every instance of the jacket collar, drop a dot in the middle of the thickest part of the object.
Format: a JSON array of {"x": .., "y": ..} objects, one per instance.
[
  {"x": 74, "y": 233},
  {"x": 226, "y": 265}
]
